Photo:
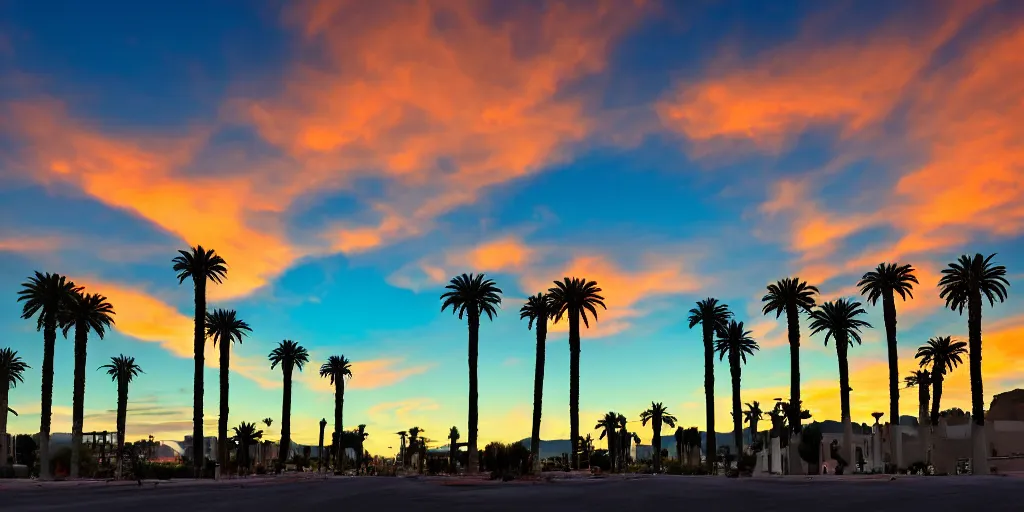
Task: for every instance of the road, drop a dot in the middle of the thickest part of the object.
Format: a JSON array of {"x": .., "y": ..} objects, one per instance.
[{"x": 988, "y": 494}]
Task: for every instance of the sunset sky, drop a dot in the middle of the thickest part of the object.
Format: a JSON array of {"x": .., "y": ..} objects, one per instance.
[{"x": 348, "y": 158}]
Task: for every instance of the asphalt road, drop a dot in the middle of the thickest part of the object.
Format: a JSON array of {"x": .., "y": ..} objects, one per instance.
[{"x": 983, "y": 494}]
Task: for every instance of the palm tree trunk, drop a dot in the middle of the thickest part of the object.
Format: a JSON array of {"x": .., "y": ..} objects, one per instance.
[
  {"x": 286, "y": 418},
  {"x": 538, "y": 393},
  {"x": 937, "y": 379},
  {"x": 737, "y": 412},
  {"x": 793, "y": 326},
  {"x": 222, "y": 422},
  {"x": 574, "y": 386},
  {"x": 198, "y": 342},
  {"x": 709, "y": 393},
  {"x": 78, "y": 397},
  {"x": 474, "y": 346},
  {"x": 842, "y": 344},
  {"x": 979, "y": 462},
  {"x": 46, "y": 407},
  {"x": 4, "y": 395},
  {"x": 612, "y": 450},
  {"x": 926, "y": 426},
  {"x": 339, "y": 393},
  {"x": 656, "y": 444},
  {"x": 340, "y": 403},
  {"x": 889, "y": 312},
  {"x": 122, "y": 413}
]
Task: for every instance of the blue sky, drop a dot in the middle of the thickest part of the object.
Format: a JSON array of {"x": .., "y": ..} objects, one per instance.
[{"x": 348, "y": 158}]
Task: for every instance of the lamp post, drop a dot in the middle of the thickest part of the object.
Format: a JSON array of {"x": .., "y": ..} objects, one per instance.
[
  {"x": 876, "y": 445},
  {"x": 320, "y": 453}
]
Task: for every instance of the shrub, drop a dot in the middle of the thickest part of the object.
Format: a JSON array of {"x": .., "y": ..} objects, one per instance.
[
  {"x": 506, "y": 458},
  {"x": 810, "y": 446}
]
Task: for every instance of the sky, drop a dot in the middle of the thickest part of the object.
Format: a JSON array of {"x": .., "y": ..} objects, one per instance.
[{"x": 347, "y": 158}]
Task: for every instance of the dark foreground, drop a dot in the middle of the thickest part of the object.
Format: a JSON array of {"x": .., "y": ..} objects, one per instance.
[{"x": 978, "y": 494}]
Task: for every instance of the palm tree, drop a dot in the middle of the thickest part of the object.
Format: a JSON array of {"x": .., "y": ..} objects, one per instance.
[
  {"x": 268, "y": 422},
  {"x": 472, "y": 295},
  {"x": 414, "y": 434},
  {"x": 200, "y": 265},
  {"x": 922, "y": 379},
  {"x": 680, "y": 436},
  {"x": 963, "y": 284},
  {"x": 736, "y": 343},
  {"x": 11, "y": 369},
  {"x": 245, "y": 435},
  {"x": 657, "y": 415},
  {"x": 537, "y": 309},
  {"x": 123, "y": 370},
  {"x": 574, "y": 297},
  {"x": 361, "y": 435},
  {"x": 885, "y": 282},
  {"x": 401, "y": 447},
  {"x": 691, "y": 438},
  {"x": 839, "y": 320},
  {"x": 289, "y": 355},
  {"x": 623, "y": 444},
  {"x": 607, "y": 426},
  {"x": 337, "y": 368},
  {"x": 224, "y": 327},
  {"x": 713, "y": 317},
  {"x": 944, "y": 355},
  {"x": 752, "y": 415},
  {"x": 46, "y": 294},
  {"x": 84, "y": 312},
  {"x": 791, "y": 296},
  {"x": 453, "y": 442}
]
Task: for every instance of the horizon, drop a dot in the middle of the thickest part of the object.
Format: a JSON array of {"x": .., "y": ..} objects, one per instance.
[{"x": 347, "y": 160}]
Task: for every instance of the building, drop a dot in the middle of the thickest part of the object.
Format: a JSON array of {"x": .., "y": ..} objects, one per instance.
[{"x": 209, "y": 447}]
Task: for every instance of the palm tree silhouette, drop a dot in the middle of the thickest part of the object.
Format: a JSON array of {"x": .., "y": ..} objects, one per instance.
[
  {"x": 11, "y": 369},
  {"x": 224, "y": 326},
  {"x": 453, "y": 441},
  {"x": 268, "y": 422},
  {"x": 414, "y": 434},
  {"x": 472, "y": 295},
  {"x": 753, "y": 415},
  {"x": 337, "y": 368},
  {"x": 84, "y": 312},
  {"x": 401, "y": 447},
  {"x": 201, "y": 265},
  {"x": 736, "y": 343},
  {"x": 289, "y": 355},
  {"x": 46, "y": 294},
  {"x": 361, "y": 436},
  {"x": 607, "y": 426},
  {"x": 123, "y": 370},
  {"x": 574, "y": 297},
  {"x": 943, "y": 355},
  {"x": 922, "y": 380},
  {"x": 680, "y": 437},
  {"x": 791, "y": 296},
  {"x": 691, "y": 438},
  {"x": 657, "y": 415},
  {"x": 245, "y": 436},
  {"x": 884, "y": 283},
  {"x": 713, "y": 317},
  {"x": 623, "y": 443},
  {"x": 962, "y": 284},
  {"x": 839, "y": 320},
  {"x": 537, "y": 310}
]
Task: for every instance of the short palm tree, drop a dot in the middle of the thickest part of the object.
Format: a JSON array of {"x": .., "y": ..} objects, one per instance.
[
  {"x": 922, "y": 380},
  {"x": 791, "y": 296},
  {"x": 607, "y": 426},
  {"x": 401, "y": 447},
  {"x": 712, "y": 316},
  {"x": 472, "y": 295},
  {"x": 245, "y": 436},
  {"x": 122, "y": 370},
  {"x": 962, "y": 285},
  {"x": 11, "y": 369},
  {"x": 736, "y": 343},
  {"x": 943, "y": 355},
  {"x": 573, "y": 298},
  {"x": 288, "y": 355},
  {"x": 84, "y": 313},
  {"x": 537, "y": 310},
  {"x": 623, "y": 444},
  {"x": 657, "y": 415},
  {"x": 884, "y": 282},
  {"x": 839, "y": 320},
  {"x": 361, "y": 436},
  {"x": 337, "y": 368},
  {"x": 414, "y": 440},
  {"x": 200, "y": 265},
  {"x": 46, "y": 295},
  {"x": 223, "y": 326},
  {"x": 679, "y": 435},
  {"x": 753, "y": 414},
  {"x": 691, "y": 438},
  {"x": 453, "y": 444}
]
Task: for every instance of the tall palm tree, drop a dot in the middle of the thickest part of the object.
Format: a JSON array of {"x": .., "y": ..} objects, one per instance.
[
  {"x": 46, "y": 295},
  {"x": 537, "y": 309},
  {"x": 245, "y": 436},
  {"x": 922, "y": 379},
  {"x": 736, "y": 343},
  {"x": 84, "y": 312},
  {"x": 962, "y": 284},
  {"x": 884, "y": 283},
  {"x": 943, "y": 355},
  {"x": 224, "y": 327},
  {"x": 753, "y": 414},
  {"x": 657, "y": 415},
  {"x": 713, "y": 317},
  {"x": 573, "y": 298},
  {"x": 201, "y": 265},
  {"x": 472, "y": 295},
  {"x": 337, "y": 368},
  {"x": 288, "y": 355},
  {"x": 607, "y": 426},
  {"x": 123, "y": 370},
  {"x": 453, "y": 443},
  {"x": 11, "y": 369},
  {"x": 791, "y": 296},
  {"x": 401, "y": 447},
  {"x": 839, "y": 320}
]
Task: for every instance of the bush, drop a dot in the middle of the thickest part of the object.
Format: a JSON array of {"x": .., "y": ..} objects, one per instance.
[
  {"x": 502, "y": 458},
  {"x": 810, "y": 446},
  {"x": 260, "y": 470}
]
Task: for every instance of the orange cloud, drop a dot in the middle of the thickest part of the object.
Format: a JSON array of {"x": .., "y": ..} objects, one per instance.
[
  {"x": 29, "y": 244},
  {"x": 369, "y": 374}
]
